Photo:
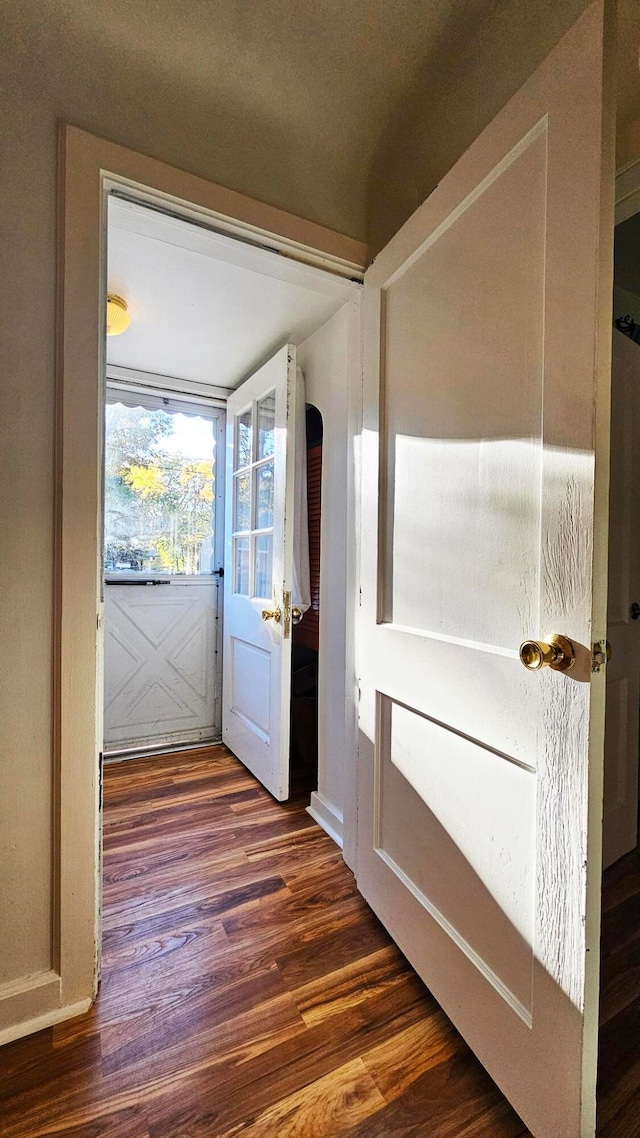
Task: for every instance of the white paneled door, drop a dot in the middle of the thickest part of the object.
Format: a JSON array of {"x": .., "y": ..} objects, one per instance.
[
  {"x": 260, "y": 471},
  {"x": 163, "y": 551},
  {"x": 487, "y": 340}
]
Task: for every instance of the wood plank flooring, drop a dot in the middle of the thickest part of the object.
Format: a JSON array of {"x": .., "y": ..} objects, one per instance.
[
  {"x": 248, "y": 989},
  {"x": 619, "y": 1057}
]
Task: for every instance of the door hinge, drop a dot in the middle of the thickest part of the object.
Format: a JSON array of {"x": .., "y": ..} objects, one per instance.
[{"x": 600, "y": 655}]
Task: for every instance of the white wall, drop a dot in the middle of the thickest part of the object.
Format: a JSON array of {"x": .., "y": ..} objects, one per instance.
[{"x": 329, "y": 362}]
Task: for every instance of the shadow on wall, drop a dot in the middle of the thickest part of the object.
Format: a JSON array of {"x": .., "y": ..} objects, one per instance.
[{"x": 447, "y": 107}]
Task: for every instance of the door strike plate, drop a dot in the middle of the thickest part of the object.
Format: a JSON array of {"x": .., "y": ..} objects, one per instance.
[
  {"x": 600, "y": 655},
  {"x": 286, "y": 622}
]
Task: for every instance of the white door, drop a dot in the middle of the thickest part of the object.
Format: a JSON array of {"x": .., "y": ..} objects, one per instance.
[
  {"x": 162, "y": 679},
  {"x": 620, "y": 831},
  {"x": 261, "y": 426},
  {"x": 160, "y": 663},
  {"x": 480, "y": 781}
]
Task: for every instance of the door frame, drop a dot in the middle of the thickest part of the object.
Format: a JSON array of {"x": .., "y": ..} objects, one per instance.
[
  {"x": 627, "y": 205},
  {"x": 89, "y": 168}
]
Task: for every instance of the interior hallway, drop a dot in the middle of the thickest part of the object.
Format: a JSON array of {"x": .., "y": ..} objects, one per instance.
[{"x": 248, "y": 989}]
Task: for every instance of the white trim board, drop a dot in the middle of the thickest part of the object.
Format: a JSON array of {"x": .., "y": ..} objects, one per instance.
[
  {"x": 135, "y": 380},
  {"x": 254, "y": 223},
  {"x": 47, "y": 1019},
  {"x": 325, "y": 814},
  {"x": 232, "y": 248}
]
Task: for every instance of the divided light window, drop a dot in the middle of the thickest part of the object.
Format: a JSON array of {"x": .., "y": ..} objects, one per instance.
[
  {"x": 160, "y": 487},
  {"x": 253, "y": 490}
]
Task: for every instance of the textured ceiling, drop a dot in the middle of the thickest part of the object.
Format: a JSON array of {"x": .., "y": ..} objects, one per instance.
[{"x": 313, "y": 105}]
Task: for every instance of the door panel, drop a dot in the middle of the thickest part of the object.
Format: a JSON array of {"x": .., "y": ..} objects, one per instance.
[
  {"x": 160, "y": 664},
  {"x": 620, "y": 828},
  {"x": 261, "y": 426},
  {"x": 446, "y": 452},
  {"x": 474, "y": 846}
]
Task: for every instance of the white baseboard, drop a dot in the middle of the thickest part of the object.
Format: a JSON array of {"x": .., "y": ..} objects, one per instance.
[
  {"x": 326, "y": 816},
  {"x": 47, "y": 1019}
]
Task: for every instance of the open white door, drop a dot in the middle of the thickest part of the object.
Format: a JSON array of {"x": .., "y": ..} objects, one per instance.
[
  {"x": 487, "y": 341},
  {"x": 256, "y": 689},
  {"x": 620, "y": 828}
]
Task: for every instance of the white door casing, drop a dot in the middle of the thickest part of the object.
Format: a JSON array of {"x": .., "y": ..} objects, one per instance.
[
  {"x": 256, "y": 688},
  {"x": 487, "y": 339},
  {"x": 620, "y": 825}
]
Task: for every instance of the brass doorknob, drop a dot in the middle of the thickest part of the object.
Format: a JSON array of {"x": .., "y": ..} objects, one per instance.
[
  {"x": 296, "y": 615},
  {"x": 557, "y": 653},
  {"x": 272, "y": 614}
]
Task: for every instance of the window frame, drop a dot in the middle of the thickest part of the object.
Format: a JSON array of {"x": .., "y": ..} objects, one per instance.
[{"x": 153, "y": 397}]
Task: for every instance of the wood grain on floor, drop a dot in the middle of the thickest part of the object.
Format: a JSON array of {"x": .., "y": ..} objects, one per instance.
[
  {"x": 248, "y": 989},
  {"x": 619, "y": 1054}
]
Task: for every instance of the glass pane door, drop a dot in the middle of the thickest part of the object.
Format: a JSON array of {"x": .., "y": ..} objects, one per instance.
[
  {"x": 162, "y": 656},
  {"x": 253, "y": 489}
]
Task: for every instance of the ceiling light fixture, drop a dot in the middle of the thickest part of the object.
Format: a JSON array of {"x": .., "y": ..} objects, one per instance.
[{"x": 118, "y": 319}]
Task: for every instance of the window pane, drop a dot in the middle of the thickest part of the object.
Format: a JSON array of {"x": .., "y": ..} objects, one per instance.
[
  {"x": 159, "y": 491},
  {"x": 264, "y": 496},
  {"x": 242, "y": 501},
  {"x": 266, "y": 425},
  {"x": 264, "y": 562},
  {"x": 241, "y": 565},
  {"x": 243, "y": 439}
]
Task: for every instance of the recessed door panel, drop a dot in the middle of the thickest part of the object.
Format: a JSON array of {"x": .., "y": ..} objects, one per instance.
[
  {"x": 452, "y": 810},
  {"x": 251, "y": 670},
  {"x": 462, "y": 393}
]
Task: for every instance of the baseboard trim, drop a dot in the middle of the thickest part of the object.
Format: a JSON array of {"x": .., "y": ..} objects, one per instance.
[
  {"x": 46, "y": 1019},
  {"x": 326, "y": 816}
]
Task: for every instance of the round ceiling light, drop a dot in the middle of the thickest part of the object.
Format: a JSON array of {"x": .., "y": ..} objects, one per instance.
[{"x": 118, "y": 319}]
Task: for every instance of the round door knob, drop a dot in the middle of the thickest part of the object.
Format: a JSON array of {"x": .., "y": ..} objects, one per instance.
[
  {"x": 272, "y": 614},
  {"x": 557, "y": 652},
  {"x": 296, "y": 615}
]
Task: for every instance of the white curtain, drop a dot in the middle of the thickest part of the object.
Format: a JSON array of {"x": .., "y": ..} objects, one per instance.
[{"x": 301, "y": 591}]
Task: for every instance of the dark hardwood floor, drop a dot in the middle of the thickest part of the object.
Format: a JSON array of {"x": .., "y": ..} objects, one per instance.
[
  {"x": 619, "y": 1061},
  {"x": 248, "y": 990}
]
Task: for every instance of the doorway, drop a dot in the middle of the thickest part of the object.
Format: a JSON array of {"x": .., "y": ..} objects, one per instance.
[
  {"x": 620, "y": 833},
  {"x": 306, "y": 634},
  {"x": 206, "y": 312}
]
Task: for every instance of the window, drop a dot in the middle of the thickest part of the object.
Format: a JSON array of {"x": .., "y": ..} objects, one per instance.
[
  {"x": 253, "y": 499},
  {"x": 159, "y": 488}
]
